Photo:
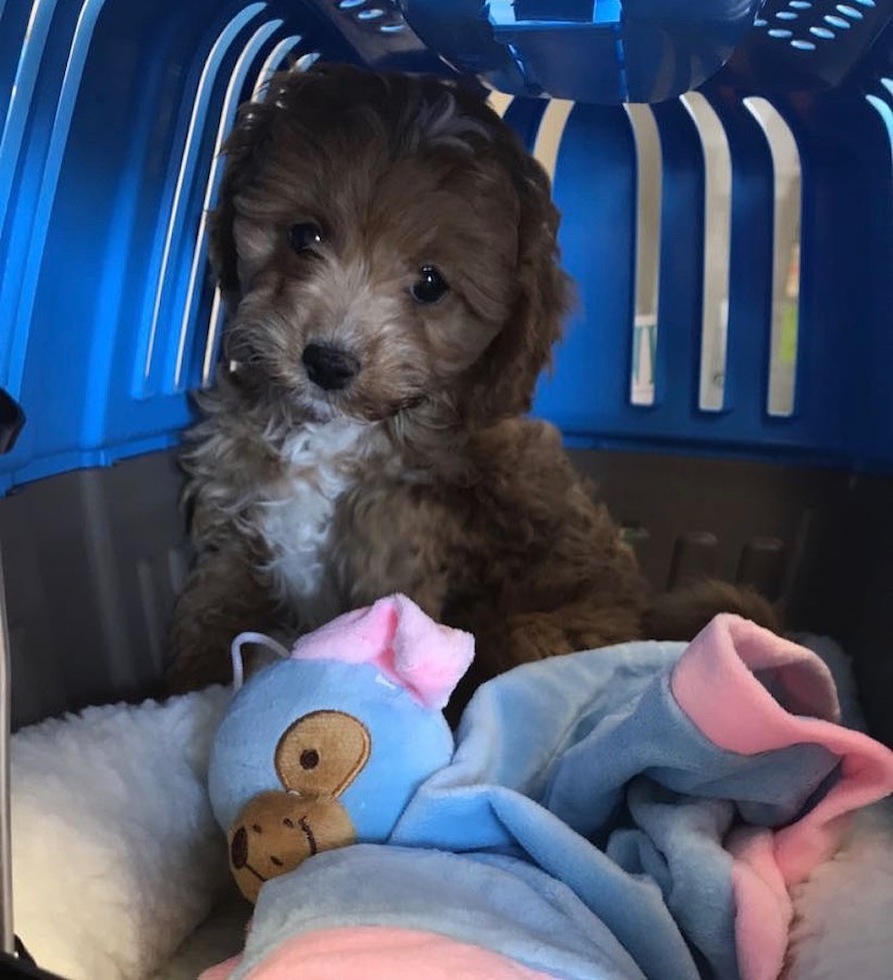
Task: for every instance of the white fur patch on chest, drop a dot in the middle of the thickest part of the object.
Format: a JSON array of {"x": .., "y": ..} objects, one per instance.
[{"x": 296, "y": 512}]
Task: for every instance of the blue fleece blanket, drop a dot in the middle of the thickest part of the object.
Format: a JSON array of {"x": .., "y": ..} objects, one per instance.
[{"x": 623, "y": 813}]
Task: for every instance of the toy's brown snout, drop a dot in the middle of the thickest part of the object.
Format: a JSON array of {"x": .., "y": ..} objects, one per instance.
[
  {"x": 277, "y": 831},
  {"x": 316, "y": 759}
]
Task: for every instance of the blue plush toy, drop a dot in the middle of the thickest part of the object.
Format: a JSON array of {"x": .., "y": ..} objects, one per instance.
[{"x": 326, "y": 747}]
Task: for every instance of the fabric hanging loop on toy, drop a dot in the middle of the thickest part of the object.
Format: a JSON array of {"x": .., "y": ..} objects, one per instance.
[{"x": 236, "y": 653}]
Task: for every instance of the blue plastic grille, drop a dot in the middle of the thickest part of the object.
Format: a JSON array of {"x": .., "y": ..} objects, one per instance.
[
  {"x": 106, "y": 146},
  {"x": 842, "y": 412}
]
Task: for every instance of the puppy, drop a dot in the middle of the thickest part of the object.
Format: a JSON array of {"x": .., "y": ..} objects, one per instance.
[{"x": 387, "y": 251}]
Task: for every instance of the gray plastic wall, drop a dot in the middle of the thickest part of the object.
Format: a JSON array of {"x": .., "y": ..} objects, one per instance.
[{"x": 94, "y": 560}]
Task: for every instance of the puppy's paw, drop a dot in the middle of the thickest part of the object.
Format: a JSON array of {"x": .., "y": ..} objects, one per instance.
[{"x": 682, "y": 613}]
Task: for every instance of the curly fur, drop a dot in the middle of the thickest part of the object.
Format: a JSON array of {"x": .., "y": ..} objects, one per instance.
[{"x": 422, "y": 475}]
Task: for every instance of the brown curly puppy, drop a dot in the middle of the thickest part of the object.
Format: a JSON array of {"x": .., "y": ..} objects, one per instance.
[{"x": 387, "y": 250}]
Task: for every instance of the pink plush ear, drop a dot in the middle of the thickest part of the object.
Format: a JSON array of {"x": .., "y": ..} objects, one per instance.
[
  {"x": 430, "y": 659},
  {"x": 407, "y": 646}
]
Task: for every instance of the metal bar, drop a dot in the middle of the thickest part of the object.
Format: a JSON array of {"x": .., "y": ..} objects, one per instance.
[{"x": 7, "y": 933}]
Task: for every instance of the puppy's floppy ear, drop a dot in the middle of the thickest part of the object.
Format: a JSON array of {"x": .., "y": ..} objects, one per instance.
[
  {"x": 245, "y": 150},
  {"x": 505, "y": 377}
]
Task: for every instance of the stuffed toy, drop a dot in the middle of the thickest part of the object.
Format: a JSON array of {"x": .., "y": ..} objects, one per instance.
[{"x": 326, "y": 746}]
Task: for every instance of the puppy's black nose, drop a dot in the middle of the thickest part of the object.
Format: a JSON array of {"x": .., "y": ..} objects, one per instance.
[
  {"x": 238, "y": 850},
  {"x": 329, "y": 367}
]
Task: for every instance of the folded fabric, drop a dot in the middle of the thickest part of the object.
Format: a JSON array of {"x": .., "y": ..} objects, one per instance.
[
  {"x": 496, "y": 903},
  {"x": 630, "y": 812}
]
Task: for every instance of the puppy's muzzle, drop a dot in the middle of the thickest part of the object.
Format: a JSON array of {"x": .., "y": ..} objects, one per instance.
[{"x": 328, "y": 367}]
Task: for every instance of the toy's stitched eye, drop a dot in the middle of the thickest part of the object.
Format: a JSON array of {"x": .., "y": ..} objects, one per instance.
[
  {"x": 430, "y": 287},
  {"x": 305, "y": 236},
  {"x": 309, "y": 759},
  {"x": 277, "y": 861}
]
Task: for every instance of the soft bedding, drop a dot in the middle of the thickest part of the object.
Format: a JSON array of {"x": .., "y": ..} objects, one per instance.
[{"x": 637, "y": 811}]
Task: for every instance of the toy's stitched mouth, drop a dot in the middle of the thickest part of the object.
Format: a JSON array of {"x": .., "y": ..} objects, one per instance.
[
  {"x": 311, "y": 840},
  {"x": 256, "y": 874}
]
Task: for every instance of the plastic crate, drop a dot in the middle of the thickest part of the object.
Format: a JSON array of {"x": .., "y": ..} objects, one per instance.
[{"x": 725, "y": 171}]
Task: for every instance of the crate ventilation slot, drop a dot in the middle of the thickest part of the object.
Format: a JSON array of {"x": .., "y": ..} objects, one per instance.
[{"x": 383, "y": 16}]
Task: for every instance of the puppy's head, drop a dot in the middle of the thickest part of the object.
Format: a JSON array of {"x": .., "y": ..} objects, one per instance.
[{"x": 386, "y": 245}]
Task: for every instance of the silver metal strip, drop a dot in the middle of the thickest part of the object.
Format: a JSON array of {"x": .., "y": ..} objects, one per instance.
[{"x": 7, "y": 932}]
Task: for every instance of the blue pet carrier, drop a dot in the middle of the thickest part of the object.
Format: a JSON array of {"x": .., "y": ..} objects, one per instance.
[{"x": 725, "y": 173}]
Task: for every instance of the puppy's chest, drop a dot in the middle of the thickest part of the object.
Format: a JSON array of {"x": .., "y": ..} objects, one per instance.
[{"x": 322, "y": 464}]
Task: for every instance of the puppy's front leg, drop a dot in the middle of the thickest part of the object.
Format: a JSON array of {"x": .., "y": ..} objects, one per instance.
[
  {"x": 508, "y": 639},
  {"x": 576, "y": 626},
  {"x": 221, "y": 599},
  {"x": 394, "y": 539}
]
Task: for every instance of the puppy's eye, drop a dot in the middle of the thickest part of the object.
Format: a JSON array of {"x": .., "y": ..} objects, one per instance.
[
  {"x": 305, "y": 236},
  {"x": 429, "y": 287}
]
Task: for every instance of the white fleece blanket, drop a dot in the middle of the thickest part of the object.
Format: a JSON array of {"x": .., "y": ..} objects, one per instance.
[
  {"x": 117, "y": 860},
  {"x": 116, "y": 855}
]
